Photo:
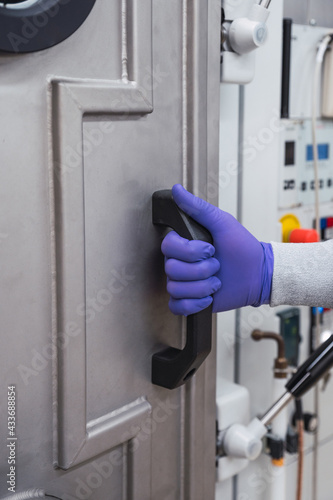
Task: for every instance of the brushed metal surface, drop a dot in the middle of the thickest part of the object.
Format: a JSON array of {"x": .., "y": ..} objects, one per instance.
[{"x": 126, "y": 106}]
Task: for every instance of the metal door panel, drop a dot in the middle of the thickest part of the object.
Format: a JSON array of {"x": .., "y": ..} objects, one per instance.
[
  {"x": 123, "y": 117},
  {"x": 69, "y": 104},
  {"x": 127, "y": 305}
]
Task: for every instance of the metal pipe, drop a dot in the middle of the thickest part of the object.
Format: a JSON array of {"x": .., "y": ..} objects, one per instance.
[
  {"x": 276, "y": 408},
  {"x": 259, "y": 335}
]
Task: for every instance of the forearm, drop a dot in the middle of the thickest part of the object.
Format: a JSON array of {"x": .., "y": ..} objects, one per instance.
[{"x": 303, "y": 274}]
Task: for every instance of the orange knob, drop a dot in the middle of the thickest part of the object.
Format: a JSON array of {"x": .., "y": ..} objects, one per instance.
[{"x": 278, "y": 462}]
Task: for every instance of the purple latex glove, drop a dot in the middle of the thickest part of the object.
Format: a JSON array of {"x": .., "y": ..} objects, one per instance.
[{"x": 239, "y": 273}]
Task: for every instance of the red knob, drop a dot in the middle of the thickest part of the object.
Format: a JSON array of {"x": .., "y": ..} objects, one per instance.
[{"x": 303, "y": 236}]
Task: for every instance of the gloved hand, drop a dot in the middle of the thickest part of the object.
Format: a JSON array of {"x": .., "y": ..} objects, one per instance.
[{"x": 237, "y": 271}]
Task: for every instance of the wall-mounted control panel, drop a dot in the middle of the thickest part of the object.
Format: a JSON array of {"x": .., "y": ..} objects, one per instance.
[{"x": 296, "y": 180}]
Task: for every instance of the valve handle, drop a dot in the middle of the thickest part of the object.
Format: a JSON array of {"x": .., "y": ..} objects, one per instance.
[{"x": 172, "y": 367}]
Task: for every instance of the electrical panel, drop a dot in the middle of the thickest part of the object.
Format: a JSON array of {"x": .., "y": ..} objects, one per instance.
[{"x": 296, "y": 182}]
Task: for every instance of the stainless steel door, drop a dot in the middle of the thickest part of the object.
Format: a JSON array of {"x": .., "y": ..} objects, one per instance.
[{"x": 89, "y": 130}]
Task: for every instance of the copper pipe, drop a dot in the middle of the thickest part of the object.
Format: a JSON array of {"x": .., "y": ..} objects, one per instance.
[
  {"x": 280, "y": 363},
  {"x": 259, "y": 335},
  {"x": 300, "y": 430}
]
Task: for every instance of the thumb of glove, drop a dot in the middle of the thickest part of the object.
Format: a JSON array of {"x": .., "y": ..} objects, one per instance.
[{"x": 200, "y": 210}]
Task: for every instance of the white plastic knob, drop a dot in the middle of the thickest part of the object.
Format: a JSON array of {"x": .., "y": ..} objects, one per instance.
[
  {"x": 239, "y": 442},
  {"x": 249, "y": 33},
  {"x": 246, "y": 35}
]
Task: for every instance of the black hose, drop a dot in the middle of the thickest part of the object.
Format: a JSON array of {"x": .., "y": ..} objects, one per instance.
[{"x": 286, "y": 52}]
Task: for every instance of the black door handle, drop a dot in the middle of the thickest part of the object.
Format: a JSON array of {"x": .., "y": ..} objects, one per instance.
[{"x": 171, "y": 367}]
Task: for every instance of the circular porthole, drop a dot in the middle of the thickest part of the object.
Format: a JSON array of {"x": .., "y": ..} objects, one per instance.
[
  {"x": 17, "y": 4},
  {"x": 31, "y": 25}
]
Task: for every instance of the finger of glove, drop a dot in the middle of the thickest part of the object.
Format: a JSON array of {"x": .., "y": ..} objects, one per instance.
[
  {"x": 178, "y": 270},
  {"x": 193, "y": 289},
  {"x": 176, "y": 247},
  {"x": 185, "y": 307},
  {"x": 200, "y": 210}
]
